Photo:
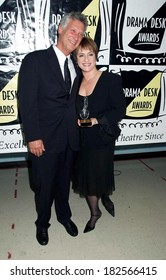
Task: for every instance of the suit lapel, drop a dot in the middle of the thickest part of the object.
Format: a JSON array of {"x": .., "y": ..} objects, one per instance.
[{"x": 54, "y": 64}]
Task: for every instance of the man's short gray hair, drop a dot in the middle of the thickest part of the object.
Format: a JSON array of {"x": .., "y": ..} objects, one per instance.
[{"x": 74, "y": 15}]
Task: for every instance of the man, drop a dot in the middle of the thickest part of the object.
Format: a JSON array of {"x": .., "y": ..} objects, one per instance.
[{"x": 47, "y": 109}]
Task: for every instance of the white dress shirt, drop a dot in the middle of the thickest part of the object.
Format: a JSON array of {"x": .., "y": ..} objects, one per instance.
[{"x": 61, "y": 58}]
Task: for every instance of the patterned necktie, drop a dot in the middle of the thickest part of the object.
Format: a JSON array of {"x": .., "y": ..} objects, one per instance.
[{"x": 67, "y": 75}]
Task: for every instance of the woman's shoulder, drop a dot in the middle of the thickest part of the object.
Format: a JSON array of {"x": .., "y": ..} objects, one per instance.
[{"x": 110, "y": 76}]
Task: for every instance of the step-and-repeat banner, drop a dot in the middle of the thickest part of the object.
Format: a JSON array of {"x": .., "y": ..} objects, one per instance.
[{"x": 131, "y": 36}]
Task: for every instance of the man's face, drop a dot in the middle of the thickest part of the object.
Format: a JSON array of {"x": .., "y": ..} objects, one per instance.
[{"x": 70, "y": 36}]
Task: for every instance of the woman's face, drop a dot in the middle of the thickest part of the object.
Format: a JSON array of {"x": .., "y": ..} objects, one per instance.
[{"x": 86, "y": 59}]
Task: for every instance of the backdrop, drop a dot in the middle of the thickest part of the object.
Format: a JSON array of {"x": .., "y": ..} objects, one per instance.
[{"x": 131, "y": 36}]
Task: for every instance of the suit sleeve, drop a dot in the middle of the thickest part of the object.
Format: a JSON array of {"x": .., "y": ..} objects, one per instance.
[
  {"x": 28, "y": 97},
  {"x": 117, "y": 104}
]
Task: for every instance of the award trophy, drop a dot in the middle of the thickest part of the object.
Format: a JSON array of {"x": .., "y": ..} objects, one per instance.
[{"x": 84, "y": 114}]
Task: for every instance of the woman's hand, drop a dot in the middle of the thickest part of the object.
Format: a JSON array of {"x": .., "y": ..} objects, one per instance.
[
  {"x": 94, "y": 121},
  {"x": 78, "y": 122}
]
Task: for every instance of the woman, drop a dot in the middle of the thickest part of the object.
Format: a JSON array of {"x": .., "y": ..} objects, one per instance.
[{"x": 101, "y": 96}]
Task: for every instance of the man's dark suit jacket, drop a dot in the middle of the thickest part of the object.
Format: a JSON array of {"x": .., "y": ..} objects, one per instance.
[{"x": 46, "y": 111}]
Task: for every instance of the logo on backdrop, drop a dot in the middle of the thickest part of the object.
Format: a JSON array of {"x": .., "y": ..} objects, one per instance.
[{"x": 137, "y": 35}]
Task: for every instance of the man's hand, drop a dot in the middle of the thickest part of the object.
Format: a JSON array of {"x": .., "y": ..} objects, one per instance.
[{"x": 36, "y": 147}]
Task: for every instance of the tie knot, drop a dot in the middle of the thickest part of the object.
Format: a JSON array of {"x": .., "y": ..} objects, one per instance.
[{"x": 66, "y": 61}]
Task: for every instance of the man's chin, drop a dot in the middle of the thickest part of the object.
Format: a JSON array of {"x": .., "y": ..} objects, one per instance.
[{"x": 72, "y": 47}]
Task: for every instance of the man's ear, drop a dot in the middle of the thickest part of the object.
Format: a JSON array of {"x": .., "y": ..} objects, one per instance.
[{"x": 60, "y": 29}]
